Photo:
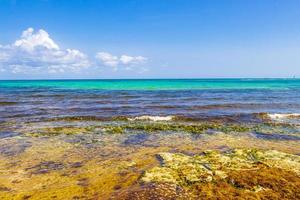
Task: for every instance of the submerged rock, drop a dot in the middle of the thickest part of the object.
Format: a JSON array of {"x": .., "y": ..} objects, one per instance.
[
  {"x": 136, "y": 139},
  {"x": 67, "y": 130},
  {"x": 182, "y": 169},
  {"x": 276, "y": 136},
  {"x": 14, "y": 147},
  {"x": 239, "y": 174},
  {"x": 8, "y": 134},
  {"x": 45, "y": 167},
  {"x": 153, "y": 191}
]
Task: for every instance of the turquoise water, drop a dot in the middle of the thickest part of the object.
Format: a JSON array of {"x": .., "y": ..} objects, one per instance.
[
  {"x": 196, "y": 98},
  {"x": 157, "y": 84}
]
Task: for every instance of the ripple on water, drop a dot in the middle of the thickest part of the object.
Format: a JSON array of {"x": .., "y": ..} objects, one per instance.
[
  {"x": 275, "y": 136},
  {"x": 14, "y": 147},
  {"x": 7, "y": 134},
  {"x": 136, "y": 139}
]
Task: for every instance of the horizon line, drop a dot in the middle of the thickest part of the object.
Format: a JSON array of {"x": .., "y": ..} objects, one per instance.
[{"x": 74, "y": 79}]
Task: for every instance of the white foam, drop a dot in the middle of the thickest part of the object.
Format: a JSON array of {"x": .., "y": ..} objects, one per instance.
[
  {"x": 279, "y": 116},
  {"x": 152, "y": 118}
]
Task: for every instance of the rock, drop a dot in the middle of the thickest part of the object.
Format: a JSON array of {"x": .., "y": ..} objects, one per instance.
[{"x": 184, "y": 170}]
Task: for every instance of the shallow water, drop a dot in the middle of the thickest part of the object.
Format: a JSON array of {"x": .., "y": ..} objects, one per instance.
[{"x": 79, "y": 140}]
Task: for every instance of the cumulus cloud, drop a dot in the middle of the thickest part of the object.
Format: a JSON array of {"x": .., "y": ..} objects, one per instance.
[
  {"x": 30, "y": 40},
  {"x": 36, "y": 51},
  {"x": 132, "y": 59},
  {"x": 107, "y": 59},
  {"x": 128, "y": 62}
]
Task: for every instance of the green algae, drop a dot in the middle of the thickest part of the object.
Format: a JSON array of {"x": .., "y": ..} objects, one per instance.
[
  {"x": 53, "y": 168},
  {"x": 114, "y": 130},
  {"x": 108, "y": 167},
  {"x": 123, "y": 127},
  {"x": 7, "y": 103},
  {"x": 198, "y": 128},
  {"x": 129, "y": 127},
  {"x": 238, "y": 174},
  {"x": 67, "y": 130},
  {"x": 154, "y": 127}
]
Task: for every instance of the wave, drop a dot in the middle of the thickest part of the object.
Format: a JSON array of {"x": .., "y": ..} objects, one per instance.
[
  {"x": 279, "y": 116},
  {"x": 152, "y": 118}
]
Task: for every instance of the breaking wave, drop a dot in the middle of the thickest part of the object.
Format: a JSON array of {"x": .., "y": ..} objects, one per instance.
[
  {"x": 152, "y": 118},
  {"x": 280, "y": 116}
]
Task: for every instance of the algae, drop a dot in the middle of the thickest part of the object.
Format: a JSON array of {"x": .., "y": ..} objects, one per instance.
[
  {"x": 7, "y": 103},
  {"x": 67, "y": 130},
  {"x": 182, "y": 169},
  {"x": 121, "y": 125},
  {"x": 240, "y": 173},
  {"x": 112, "y": 157},
  {"x": 198, "y": 128},
  {"x": 128, "y": 127}
]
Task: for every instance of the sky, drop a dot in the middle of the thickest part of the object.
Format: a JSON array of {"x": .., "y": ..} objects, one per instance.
[{"x": 95, "y": 39}]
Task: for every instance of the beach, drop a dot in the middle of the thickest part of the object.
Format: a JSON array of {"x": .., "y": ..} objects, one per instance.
[{"x": 150, "y": 139}]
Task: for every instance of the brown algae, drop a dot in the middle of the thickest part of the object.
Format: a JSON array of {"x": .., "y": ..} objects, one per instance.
[
  {"x": 67, "y": 130},
  {"x": 146, "y": 127},
  {"x": 117, "y": 160},
  {"x": 242, "y": 171}
]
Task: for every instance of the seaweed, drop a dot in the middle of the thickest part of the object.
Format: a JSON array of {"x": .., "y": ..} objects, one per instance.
[{"x": 243, "y": 173}]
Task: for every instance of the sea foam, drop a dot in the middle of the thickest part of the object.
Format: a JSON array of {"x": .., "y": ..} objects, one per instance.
[
  {"x": 152, "y": 118},
  {"x": 280, "y": 116}
]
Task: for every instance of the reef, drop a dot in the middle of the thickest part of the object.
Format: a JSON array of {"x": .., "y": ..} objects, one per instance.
[
  {"x": 91, "y": 158},
  {"x": 197, "y": 128},
  {"x": 67, "y": 130},
  {"x": 249, "y": 173},
  {"x": 140, "y": 126}
]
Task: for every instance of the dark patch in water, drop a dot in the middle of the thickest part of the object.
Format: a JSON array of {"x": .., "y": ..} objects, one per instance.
[
  {"x": 7, "y": 103},
  {"x": 233, "y": 118},
  {"x": 76, "y": 165},
  {"x": 137, "y": 139},
  {"x": 88, "y": 118},
  {"x": 25, "y": 197},
  {"x": 117, "y": 187},
  {"x": 152, "y": 191},
  {"x": 7, "y": 134},
  {"x": 196, "y": 136},
  {"x": 46, "y": 167},
  {"x": 12, "y": 149},
  {"x": 268, "y": 136},
  {"x": 162, "y": 107},
  {"x": 83, "y": 182},
  {"x": 4, "y": 189}
]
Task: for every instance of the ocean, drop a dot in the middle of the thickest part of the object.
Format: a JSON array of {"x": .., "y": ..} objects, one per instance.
[
  {"x": 155, "y": 84},
  {"x": 150, "y": 139},
  {"x": 40, "y": 99}
]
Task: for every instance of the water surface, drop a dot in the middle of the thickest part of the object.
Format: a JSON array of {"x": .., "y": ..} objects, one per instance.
[{"x": 95, "y": 139}]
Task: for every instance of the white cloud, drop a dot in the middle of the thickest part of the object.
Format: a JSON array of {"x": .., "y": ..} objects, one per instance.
[
  {"x": 36, "y": 51},
  {"x": 107, "y": 59},
  {"x": 132, "y": 59},
  {"x": 126, "y": 61},
  {"x": 30, "y": 41}
]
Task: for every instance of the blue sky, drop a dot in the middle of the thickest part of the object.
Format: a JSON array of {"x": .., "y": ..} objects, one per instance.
[{"x": 149, "y": 38}]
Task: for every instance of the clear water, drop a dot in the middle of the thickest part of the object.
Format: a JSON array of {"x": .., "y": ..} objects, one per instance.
[
  {"x": 157, "y": 84},
  {"x": 42, "y": 99},
  {"x": 82, "y": 159}
]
